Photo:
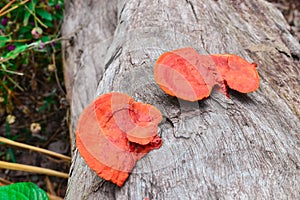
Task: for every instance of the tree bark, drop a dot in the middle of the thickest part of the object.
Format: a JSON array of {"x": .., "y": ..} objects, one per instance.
[{"x": 242, "y": 147}]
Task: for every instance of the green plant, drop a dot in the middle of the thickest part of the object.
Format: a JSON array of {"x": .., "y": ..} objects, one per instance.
[
  {"x": 29, "y": 31},
  {"x": 22, "y": 191},
  {"x": 30, "y": 70}
]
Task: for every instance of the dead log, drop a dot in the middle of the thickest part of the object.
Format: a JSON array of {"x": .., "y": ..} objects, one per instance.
[{"x": 245, "y": 147}]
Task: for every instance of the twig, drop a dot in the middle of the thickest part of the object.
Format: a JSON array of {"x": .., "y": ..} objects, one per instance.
[
  {"x": 4, "y": 181},
  {"x": 55, "y": 73},
  {"x": 33, "y": 45},
  {"x": 15, "y": 83},
  {"x": 7, "y": 5},
  {"x": 12, "y": 72},
  {"x": 33, "y": 148},
  {"x": 11, "y": 9},
  {"x": 53, "y": 197},
  {"x": 36, "y": 18},
  {"x": 33, "y": 169},
  {"x": 10, "y": 93},
  {"x": 49, "y": 186}
]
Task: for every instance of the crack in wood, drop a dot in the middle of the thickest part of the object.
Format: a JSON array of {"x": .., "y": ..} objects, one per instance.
[
  {"x": 193, "y": 10},
  {"x": 99, "y": 185},
  {"x": 283, "y": 52},
  {"x": 121, "y": 11},
  {"x": 169, "y": 121},
  {"x": 117, "y": 53},
  {"x": 203, "y": 43}
]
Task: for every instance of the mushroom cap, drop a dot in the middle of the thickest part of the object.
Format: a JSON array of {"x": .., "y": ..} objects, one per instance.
[
  {"x": 239, "y": 74},
  {"x": 191, "y": 76},
  {"x": 182, "y": 73},
  {"x": 113, "y": 132}
]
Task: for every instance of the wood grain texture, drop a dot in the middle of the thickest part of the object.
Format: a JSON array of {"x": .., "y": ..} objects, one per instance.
[{"x": 245, "y": 147}]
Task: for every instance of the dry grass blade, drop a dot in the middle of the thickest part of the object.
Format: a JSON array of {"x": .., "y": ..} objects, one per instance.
[
  {"x": 33, "y": 169},
  {"x": 7, "y": 5},
  {"x": 11, "y": 9},
  {"x": 33, "y": 148}
]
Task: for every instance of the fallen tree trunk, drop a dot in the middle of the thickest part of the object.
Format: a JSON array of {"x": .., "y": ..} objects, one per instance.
[{"x": 218, "y": 148}]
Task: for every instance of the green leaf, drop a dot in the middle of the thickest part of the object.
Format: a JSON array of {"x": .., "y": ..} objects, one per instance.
[
  {"x": 51, "y": 3},
  {"x": 22, "y": 191},
  {"x": 45, "y": 39},
  {"x": 3, "y": 40},
  {"x": 1, "y": 26},
  {"x": 11, "y": 155},
  {"x": 44, "y": 14},
  {"x": 27, "y": 14},
  {"x": 48, "y": 23},
  {"x": 26, "y": 18},
  {"x": 25, "y": 29},
  {"x": 13, "y": 54}
]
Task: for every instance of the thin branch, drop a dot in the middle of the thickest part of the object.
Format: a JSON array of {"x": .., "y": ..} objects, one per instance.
[
  {"x": 33, "y": 169},
  {"x": 15, "y": 83},
  {"x": 33, "y": 148},
  {"x": 36, "y": 18},
  {"x": 55, "y": 73},
  {"x": 10, "y": 93},
  {"x": 13, "y": 8},
  {"x": 7, "y": 5},
  {"x": 12, "y": 72},
  {"x": 4, "y": 181}
]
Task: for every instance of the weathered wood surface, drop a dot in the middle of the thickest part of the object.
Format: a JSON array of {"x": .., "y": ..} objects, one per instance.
[{"x": 246, "y": 147}]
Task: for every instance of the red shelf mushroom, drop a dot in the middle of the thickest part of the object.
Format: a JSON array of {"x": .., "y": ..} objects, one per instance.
[
  {"x": 188, "y": 75},
  {"x": 114, "y": 132},
  {"x": 239, "y": 74},
  {"x": 179, "y": 73}
]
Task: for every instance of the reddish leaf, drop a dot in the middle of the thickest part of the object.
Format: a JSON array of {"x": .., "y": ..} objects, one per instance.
[
  {"x": 190, "y": 76},
  {"x": 114, "y": 132}
]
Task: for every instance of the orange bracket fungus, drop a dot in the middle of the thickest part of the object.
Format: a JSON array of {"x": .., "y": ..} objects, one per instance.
[
  {"x": 188, "y": 75},
  {"x": 114, "y": 132},
  {"x": 239, "y": 74}
]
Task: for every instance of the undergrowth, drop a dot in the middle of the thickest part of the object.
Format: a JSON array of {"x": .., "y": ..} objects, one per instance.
[{"x": 32, "y": 98}]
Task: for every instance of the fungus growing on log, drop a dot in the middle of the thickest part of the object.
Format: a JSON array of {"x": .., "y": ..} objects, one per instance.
[
  {"x": 188, "y": 75},
  {"x": 179, "y": 73},
  {"x": 114, "y": 132},
  {"x": 239, "y": 74}
]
